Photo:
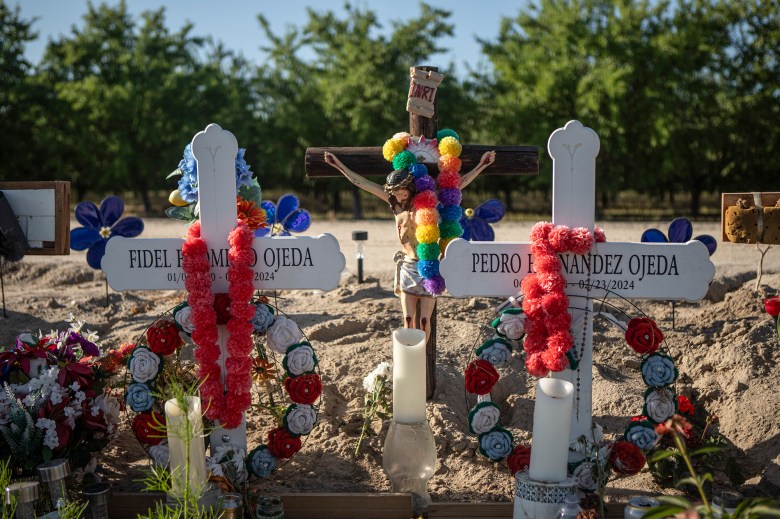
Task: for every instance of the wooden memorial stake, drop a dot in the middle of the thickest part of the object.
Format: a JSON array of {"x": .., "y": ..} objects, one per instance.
[
  {"x": 368, "y": 161},
  {"x": 281, "y": 263},
  {"x": 629, "y": 270}
]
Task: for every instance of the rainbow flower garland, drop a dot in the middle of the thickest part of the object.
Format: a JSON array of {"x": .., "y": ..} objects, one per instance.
[
  {"x": 238, "y": 380},
  {"x": 434, "y": 230}
]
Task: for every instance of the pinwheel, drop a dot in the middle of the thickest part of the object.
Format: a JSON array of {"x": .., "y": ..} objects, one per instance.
[{"x": 476, "y": 222}]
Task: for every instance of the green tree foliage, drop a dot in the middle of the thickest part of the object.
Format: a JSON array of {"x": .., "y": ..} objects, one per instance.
[{"x": 684, "y": 94}]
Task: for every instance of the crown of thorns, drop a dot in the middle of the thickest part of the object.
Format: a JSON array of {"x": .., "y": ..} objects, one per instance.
[{"x": 400, "y": 178}]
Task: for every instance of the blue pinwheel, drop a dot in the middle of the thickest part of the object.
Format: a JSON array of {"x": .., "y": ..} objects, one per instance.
[
  {"x": 284, "y": 217},
  {"x": 476, "y": 222},
  {"x": 100, "y": 225},
  {"x": 680, "y": 231}
]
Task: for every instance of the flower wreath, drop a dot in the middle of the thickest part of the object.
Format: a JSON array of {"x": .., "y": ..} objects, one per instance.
[
  {"x": 156, "y": 360},
  {"x": 514, "y": 324},
  {"x": 438, "y": 220}
]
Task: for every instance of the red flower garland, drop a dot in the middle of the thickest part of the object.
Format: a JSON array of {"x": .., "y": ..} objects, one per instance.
[
  {"x": 238, "y": 379},
  {"x": 548, "y": 322}
]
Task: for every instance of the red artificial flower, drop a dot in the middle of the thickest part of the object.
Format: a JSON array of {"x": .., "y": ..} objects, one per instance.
[
  {"x": 76, "y": 372},
  {"x": 249, "y": 213},
  {"x": 772, "y": 305},
  {"x": 222, "y": 307},
  {"x": 626, "y": 458},
  {"x": 149, "y": 427},
  {"x": 684, "y": 405},
  {"x": 520, "y": 459},
  {"x": 638, "y": 418},
  {"x": 692, "y": 440},
  {"x": 481, "y": 376},
  {"x": 304, "y": 389},
  {"x": 163, "y": 337},
  {"x": 96, "y": 421},
  {"x": 282, "y": 444},
  {"x": 643, "y": 335}
]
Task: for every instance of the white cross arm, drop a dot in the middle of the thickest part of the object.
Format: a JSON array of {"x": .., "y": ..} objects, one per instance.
[
  {"x": 281, "y": 263},
  {"x": 632, "y": 270}
]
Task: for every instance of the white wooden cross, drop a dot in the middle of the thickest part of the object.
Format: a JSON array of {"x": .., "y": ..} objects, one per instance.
[
  {"x": 629, "y": 270},
  {"x": 281, "y": 262}
]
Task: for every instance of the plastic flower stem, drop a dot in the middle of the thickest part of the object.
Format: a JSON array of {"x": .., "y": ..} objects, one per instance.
[
  {"x": 694, "y": 476},
  {"x": 370, "y": 411}
]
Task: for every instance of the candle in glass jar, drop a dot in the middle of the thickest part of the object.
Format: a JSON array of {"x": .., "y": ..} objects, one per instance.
[
  {"x": 552, "y": 421},
  {"x": 409, "y": 375},
  {"x": 182, "y": 428}
]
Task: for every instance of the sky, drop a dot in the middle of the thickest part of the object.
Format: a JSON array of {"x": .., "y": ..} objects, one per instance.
[{"x": 234, "y": 22}]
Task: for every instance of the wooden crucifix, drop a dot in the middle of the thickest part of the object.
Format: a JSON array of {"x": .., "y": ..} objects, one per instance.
[{"x": 369, "y": 161}]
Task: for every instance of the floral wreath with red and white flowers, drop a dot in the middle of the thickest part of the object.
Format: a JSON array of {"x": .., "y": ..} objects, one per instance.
[
  {"x": 552, "y": 350},
  {"x": 156, "y": 359}
]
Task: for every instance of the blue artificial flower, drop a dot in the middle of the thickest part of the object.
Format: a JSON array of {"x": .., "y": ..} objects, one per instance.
[
  {"x": 188, "y": 183},
  {"x": 642, "y": 434},
  {"x": 496, "y": 444},
  {"x": 284, "y": 217},
  {"x": 476, "y": 222},
  {"x": 496, "y": 351},
  {"x": 139, "y": 397},
  {"x": 261, "y": 462},
  {"x": 100, "y": 225},
  {"x": 263, "y": 319},
  {"x": 658, "y": 370},
  {"x": 680, "y": 231}
]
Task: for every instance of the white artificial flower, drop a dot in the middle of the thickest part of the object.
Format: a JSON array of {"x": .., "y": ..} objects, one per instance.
[
  {"x": 660, "y": 405},
  {"x": 183, "y": 318},
  {"x": 300, "y": 360},
  {"x": 111, "y": 410},
  {"x": 144, "y": 365},
  {"x": 51, "y": 440},
  {"x": 512, "y": 326},
  {"x": 485, "y": 418},
  {"x": 301, "y": 418},
  {"x": 384, "y": 369},
  {"x": 370, "y": 382},
  {"x": 585, "y": 477},
  {"x": 159, "y": 454},
  {"x": 283, "y": 334}
]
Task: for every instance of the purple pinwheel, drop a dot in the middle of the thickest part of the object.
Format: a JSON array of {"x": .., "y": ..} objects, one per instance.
[
  {"x": 680, "y": 231},
  {"x": 476, "y": 222},
  {"x": 284, "y": 217},
  {"x": 100, "y": 225}
]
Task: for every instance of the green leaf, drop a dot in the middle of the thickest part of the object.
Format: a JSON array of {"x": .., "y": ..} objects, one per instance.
[
  {"x": 705, "y": 450},
  {"x": 180, "y": 213},
  {"x": 660, "y": 455},
  {"x": 688, "y": 481},
  {"x": 47, "y": 454}
]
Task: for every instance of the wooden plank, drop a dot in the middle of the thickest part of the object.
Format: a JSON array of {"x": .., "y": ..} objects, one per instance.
[
  {"x": 455, "y": 510},
  {"x": 127, "y": 505},
  {"x": 43, "y": 208},
  {"x": 768, "y": 199},
  {"x": 368, "y": 161}
]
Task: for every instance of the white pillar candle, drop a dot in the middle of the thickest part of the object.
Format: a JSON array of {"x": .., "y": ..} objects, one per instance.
[
  {"x": 183, "y": 428},
  {"x": 552, "y": 421},
  {"x": 409, "y": 375}
]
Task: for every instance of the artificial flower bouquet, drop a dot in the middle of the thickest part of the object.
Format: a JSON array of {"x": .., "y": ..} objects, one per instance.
[{"x": 56, "y": 400}]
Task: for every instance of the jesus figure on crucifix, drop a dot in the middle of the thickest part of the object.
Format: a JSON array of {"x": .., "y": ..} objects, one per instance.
[{"x": 398, "y": 192}]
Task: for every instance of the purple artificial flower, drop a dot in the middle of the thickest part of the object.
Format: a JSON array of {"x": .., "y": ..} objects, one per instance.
[
  {"x": 424, "y": 183},
  {"x": 100, "y": 225}
]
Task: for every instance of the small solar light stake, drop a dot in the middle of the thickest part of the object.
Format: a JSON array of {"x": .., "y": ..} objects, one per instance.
[{"x": 359, "y": 237}]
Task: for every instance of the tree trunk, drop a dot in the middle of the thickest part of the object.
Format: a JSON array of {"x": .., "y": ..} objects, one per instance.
[
  {"x": 508, "y": 200},
  {"x": 695, "y": 202},
  {"x": 357, "y": 205},
  {"x": 144, "y": 194},
  {"x": 336, "y": 207}
]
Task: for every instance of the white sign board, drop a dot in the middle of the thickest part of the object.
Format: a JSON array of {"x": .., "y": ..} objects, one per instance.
[
  {"x": 631, "y": 270},
  {"x": 281, "y": 262}
]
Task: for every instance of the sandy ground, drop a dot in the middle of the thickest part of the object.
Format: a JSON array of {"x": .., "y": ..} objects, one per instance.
[{"x": 725, "y": 346}]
